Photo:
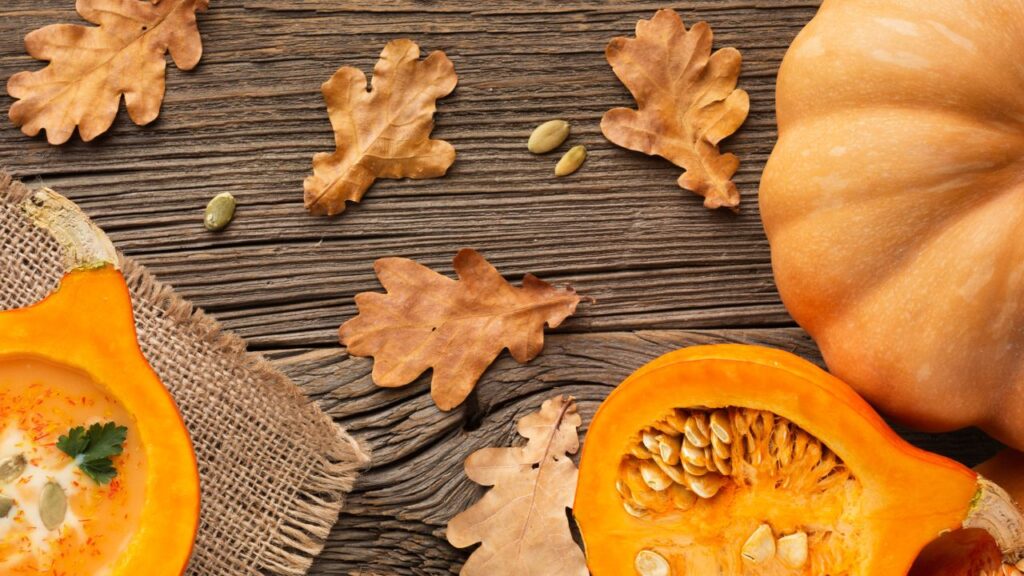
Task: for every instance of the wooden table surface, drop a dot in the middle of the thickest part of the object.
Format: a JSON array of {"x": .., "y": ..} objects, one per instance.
[{"x": 665, "y": 272}]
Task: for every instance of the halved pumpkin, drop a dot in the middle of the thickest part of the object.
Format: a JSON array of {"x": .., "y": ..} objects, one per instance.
[
  {"x": 73, "y": 360},
  {"x": 726, "y": 460}
]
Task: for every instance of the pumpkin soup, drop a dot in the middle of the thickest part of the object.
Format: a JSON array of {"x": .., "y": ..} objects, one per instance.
[{"x": 58, "y": 515}]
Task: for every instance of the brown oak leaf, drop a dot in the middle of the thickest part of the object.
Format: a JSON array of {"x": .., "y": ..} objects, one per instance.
[
  {"x": 521, "y": 523},
  {"x": 427, "y": 320},
  {"x": 91, "y": 67},
  {"x": 687, "y": 99},
  {"x": 383, "y": 132}
]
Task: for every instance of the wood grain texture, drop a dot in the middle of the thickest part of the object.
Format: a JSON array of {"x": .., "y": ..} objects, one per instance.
[{"x": 665, "y": 272}]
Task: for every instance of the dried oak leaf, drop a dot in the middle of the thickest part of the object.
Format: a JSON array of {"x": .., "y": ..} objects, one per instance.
[
  {"x": 427, "y": 320},
  {"x": 521, "y": 523},
  {"x": 91, "y": 67},
  {"x": 383, "y": 132},
  {"x": 687, "y": 99}
]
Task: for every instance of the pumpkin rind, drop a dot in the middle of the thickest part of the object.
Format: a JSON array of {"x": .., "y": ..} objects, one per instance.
[
  {"x": 908, "y": 496},
  {"x": 892, "y": 205},
  {"x": 87, "y": 325}
]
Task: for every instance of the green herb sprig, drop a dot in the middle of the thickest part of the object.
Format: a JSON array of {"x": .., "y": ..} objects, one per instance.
[{"x": 92, "y": 449}]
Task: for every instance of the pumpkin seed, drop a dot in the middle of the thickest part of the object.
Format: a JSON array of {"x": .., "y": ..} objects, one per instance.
[
  {"x": 53, "y": 505},
  {"x": 5, "y": 506},
  {"x": 572, "y": 161},
  {"x": 792, "y": 550},
  {"x": 760, "y": 547},
  {"x": 654, "y": 477},
  {"x": 12, "y": 468},
  {"x": 548, "y": 136},
  {"x": 650, "y": 563},
  {"x": 220, "y": 211}
]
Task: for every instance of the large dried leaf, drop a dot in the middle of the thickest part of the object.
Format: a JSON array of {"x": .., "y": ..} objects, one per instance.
[
  {"x": 91, "y": 67},
  {"x": 383, "y": 133},
  {"x": 687, "y": 99},
  {"x": 427, "y": 320},
  {"x": 522, "y": 523}
]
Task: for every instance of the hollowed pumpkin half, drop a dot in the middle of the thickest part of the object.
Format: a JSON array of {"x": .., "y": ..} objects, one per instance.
[
  {"x": 73, "y": 360},
  {"x": 727, "y": 460}
]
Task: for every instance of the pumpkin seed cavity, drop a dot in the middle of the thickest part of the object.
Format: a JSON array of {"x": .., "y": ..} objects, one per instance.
[
  {"x": 723, "y": 463},
  {"x": 53, "y": 505},
  {"x": 12, "y": 468}
]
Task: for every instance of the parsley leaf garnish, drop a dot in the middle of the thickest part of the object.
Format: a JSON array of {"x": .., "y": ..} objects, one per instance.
[{"x": 93, "y": 448}]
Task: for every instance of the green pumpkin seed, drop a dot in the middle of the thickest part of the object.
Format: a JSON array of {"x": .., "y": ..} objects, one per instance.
[
  {"x": 572, "y": 161},
  {"x": 12, "y": 468},
  {"x": 548, "y": 136},
  {"x": 53, "y": 505},
  {"x": 220, "y": 211},
  {"x": 5, "y": 506}
]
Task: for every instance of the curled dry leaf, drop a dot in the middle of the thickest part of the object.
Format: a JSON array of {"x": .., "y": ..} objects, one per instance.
[
  {"x": 427, "y": 320},
  {"x": 688, "y": 103},
  {"x": 91, "y": 67},
  {"x": 383, "y": 133},
  {"x": 522, "y": 523}
]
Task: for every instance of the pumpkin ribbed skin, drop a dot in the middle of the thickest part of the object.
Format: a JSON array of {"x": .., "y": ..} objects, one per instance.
[{"x": 893, "y": 205}]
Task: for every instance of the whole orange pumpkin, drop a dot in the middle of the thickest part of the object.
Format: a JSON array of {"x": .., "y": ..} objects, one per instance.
[{"x": 894, "y": 205}]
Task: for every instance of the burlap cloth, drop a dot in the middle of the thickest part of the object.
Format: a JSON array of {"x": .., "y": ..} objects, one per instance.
[{"x": 274, "y": 468}]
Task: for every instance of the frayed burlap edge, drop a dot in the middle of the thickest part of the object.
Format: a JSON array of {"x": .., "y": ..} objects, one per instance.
[
  {"x": 319, "y": 501},
  {"x": 301, "y": 537}
]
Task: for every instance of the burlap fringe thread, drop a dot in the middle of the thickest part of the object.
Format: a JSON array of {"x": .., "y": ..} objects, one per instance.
[{"x": 319, "y": 500}]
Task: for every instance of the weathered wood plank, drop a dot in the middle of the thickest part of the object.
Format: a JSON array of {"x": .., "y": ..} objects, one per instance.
[{"x": 249, "y": 119}]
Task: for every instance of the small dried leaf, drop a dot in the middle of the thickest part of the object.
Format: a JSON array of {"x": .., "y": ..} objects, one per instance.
[
  {"x": 427, "y": 320},
  {"x": 91, "y": 67},
  {"x": 521, "y": 523},
  {"x": 687, "y": 100},
  {"x": 383, "y": 133}
]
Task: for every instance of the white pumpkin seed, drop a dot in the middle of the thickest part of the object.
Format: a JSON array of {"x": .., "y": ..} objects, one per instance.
[
  {"x": 548, "y": 136},
  {"x": 650, "y": 563},
  {"x": 760, "y": 547},
  {"x": 654, "y": 477},
  {"x": 571, "y": 161},
  {"x": 668, "y": 449},
  {"x": 792, "y": 550}
]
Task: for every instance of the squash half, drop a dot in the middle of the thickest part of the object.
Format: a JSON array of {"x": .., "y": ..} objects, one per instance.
[
  {"x": 731, "y": 459},
  {"x": 86, "y": 328}
]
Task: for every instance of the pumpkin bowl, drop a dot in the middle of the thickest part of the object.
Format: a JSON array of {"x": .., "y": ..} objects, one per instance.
[
  {"x": 119, "y": 496},
  {"x": 745, "y": 460}
]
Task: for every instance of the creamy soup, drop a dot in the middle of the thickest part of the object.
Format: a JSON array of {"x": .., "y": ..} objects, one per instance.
[{"x": 39, "y": 402}]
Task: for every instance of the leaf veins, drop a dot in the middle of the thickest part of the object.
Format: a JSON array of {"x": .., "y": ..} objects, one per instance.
[
  {"x": 91, "y": 67},
  {"x": 521, "y": 523},
  {"x": 383, "y": 132},
  {"x": 687, "y": 103},
  {"x": 458, "y": 328}
]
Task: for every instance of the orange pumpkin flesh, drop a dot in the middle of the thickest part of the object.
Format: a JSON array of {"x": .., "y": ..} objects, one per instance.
[
  {"x": 73, "y": 360},
  {"x": 873, "y": 507},
  {"x": 892, "y": 205}
]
